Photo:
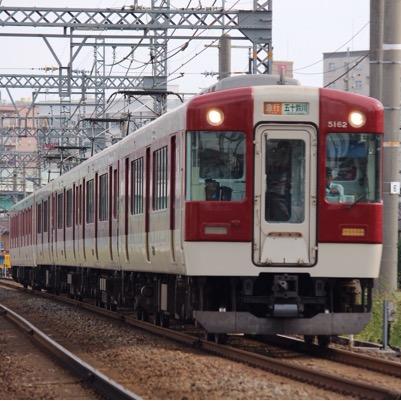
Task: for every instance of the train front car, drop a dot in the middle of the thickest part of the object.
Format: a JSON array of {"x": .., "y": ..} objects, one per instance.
[{"x": 283, "y": 209}]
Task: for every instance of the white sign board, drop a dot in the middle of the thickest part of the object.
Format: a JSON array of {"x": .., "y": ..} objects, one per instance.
[{"x": 394, "y": 188}]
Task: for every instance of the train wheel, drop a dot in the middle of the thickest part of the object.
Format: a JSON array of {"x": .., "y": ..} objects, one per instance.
[
  {"x": 220, "y": 338},
  {"x": 142, "y": 315},
  {"x": 164, "y": 320},
  {"x": 323, "y": 341},
  {"x": 309, "y": 340},
  {"x": 161, "y": 319}
]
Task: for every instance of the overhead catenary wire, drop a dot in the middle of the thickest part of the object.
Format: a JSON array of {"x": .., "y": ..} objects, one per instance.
[{"x": 336, "y": 50}]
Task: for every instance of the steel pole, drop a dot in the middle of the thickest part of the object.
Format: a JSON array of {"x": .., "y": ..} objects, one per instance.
[
  {"x": 391, "y": 101},
  {"x": 376, "y": 48},
  {"x": 224, "y": 56}
]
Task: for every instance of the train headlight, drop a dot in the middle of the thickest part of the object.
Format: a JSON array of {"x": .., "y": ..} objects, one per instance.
[
  {"x": 357, "y": 119},
  {"x": 215, "y": 117}
]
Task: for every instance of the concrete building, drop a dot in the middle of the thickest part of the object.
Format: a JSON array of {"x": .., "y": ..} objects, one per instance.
[{"x": 338, "y": 63}]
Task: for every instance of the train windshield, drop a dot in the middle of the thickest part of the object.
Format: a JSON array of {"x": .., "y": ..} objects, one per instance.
[
  {"x": 352, "y": 168},
  {"x": 215, "y": 166}
]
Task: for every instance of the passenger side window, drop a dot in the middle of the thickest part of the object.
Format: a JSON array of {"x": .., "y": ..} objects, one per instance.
[
  {"x": 103, "y": 197},
  {"x": 90, "y": 201},
  {"x": 137, "y": 186},
  {"x": 45, "y": 216},
  {"x": 160, "y": 179},
  {"x": 69, "y": 208},
  {"x": 39, "y": 219},
  {"x": 60, "y": 210}
]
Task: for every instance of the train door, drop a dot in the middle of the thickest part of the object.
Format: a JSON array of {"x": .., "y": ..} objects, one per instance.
[
  {"x": 147, "y": 203},
  {"x": 285, "y": 195},
  {"x": 53, "y": 228},
  {"x": 173, "y": 162}
]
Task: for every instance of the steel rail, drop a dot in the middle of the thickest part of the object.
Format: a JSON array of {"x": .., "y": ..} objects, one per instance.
[
  {"x": 358, "y": 360},
  {"x": 336, "y": 383},
  {"x": 105, "y": 386}
]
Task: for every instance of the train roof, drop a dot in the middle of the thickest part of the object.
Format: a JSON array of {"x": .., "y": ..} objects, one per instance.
[{"x": 242, "y": 81}]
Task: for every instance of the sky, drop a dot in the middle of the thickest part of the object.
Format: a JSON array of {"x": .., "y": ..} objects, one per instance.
[{"x": 302, "y": 31}]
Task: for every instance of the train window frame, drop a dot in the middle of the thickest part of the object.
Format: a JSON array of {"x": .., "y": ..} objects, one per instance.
[
  {"x": 214, "y": 171},
  {"x": 68, "y": 209},
  {"x": 60, "y": 210},
  {"x": 103, "y": 197},
  {"x": 90, "y": 201},
  {"x": 160, "y": 179},
  {"x": 137, "y": 186}
]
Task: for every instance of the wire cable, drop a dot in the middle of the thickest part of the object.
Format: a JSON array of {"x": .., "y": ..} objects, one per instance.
[{"x": 338, "y": 48}]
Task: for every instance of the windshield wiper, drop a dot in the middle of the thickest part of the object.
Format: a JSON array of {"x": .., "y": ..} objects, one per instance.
[{"x": 358, "y": 200}]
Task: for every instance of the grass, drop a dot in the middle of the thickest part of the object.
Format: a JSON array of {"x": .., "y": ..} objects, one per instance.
[{"x": 373, "y": 331}]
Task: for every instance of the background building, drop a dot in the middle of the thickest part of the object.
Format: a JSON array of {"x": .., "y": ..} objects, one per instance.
[{"x": 349, "y": 70}]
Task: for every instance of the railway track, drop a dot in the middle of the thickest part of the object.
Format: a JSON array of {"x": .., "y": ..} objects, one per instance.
[
  {"x": 329, "y": 381},
  {"x": 103, "y": 385},
  {"x": 338, "y": 355}
]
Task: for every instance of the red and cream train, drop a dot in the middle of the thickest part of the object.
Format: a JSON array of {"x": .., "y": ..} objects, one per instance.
[{"x": 254, "y": 209}]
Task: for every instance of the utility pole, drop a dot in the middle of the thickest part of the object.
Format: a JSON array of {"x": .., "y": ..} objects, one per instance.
[
  {"x": 347, "y": 86},
  {"x": 224, "y": 56},
  {"x": 391, "y": 148},
  {"x": 376, "y": 48}
]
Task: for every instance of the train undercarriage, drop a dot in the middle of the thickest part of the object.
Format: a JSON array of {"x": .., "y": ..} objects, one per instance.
[{"x": 268, "y": 304}]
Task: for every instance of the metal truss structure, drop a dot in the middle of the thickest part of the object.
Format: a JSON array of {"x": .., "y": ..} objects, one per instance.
[{"x": 67, "y": 139}]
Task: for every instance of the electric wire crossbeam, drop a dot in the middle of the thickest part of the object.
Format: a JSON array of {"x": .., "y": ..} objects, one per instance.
[{"x": 151, "y": 26}]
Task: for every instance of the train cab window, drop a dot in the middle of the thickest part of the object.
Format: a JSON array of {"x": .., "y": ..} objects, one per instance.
[
  {"x": 215, "y": 166},
  {"x": 60, "y": 210},
  {"x": 285, "y": 181},
  {"x": 352, "y": 168},
  {"x": 68, "y": 212},
  {"x": 103, "y": 197},
  {"x": 160, "y": 179},
  {"x": 137, "y": 186},
  {"x": 90, "y": 201}
]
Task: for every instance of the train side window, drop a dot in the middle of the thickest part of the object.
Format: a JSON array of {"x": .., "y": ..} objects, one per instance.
[
  {"x": 77, "y": 205},
  {"x": 160, "y": 179},
  {"x": 137, "y": 186},
  {"x": 115, "y": 193},
  {"x": 80, "y": 205},
  {"x": 39, "y": 218},
  {"x": 69, "y": 208},
  {"x": 215, "y": 166},
  {"x": 60, "y": 208},
  {"x": 90, "y": 201},
  {"x": 45, "y": 216},
  {"x": 103, "y": 197}
]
